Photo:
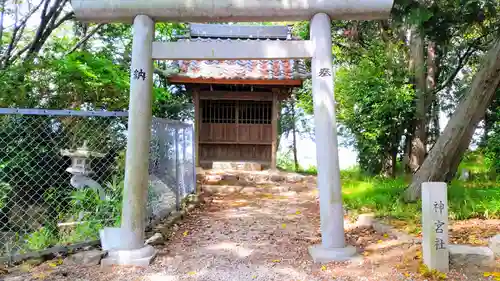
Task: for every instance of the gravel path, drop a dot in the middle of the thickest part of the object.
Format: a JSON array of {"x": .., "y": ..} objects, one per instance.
[{"x": 260, "y": 238}]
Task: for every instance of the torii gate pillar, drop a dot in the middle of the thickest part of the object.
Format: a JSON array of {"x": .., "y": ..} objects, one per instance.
[
  {"x": 333, "y": 245},
  {"x": 129, "y": 239}
]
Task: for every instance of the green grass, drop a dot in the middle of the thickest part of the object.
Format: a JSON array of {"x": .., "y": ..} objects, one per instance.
[
  {"x": 383, "y": 197},
  {"x": 477, "y": 198}
]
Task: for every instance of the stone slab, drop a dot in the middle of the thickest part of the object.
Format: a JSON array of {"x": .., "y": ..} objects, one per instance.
[
  {"x": 435, "y": 226},
  {"x": 494, "y": 245},
  {"x": 471, "y": 255},
  {"x": 138, "y": 257},
  {"x": 237, "y": 166},
  {"x": 384, "y": 228},
  {"x": 365, "y": 220},
  {"x": 156, "y": 239},
  {"x": 321, "y": 254},
  {"x": 92, "y": 257},
  {"x": 232, "y": 189},
  {"x": 140, "y": 262}
]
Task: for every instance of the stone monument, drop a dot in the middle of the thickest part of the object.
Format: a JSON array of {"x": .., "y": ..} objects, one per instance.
[{"x": 435, "y": 226}]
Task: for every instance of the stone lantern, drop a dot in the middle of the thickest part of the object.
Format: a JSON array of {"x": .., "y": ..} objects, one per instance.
[
  {"x": 81, "y": 159},
  {"x": 81, "y": 169}
]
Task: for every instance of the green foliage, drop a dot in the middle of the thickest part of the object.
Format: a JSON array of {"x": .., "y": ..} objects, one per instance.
[
  {"x": 492, "y": 156},
  {"x": 492, "y": 149},
  {"x": 86, "y": 212},
  {"x": 41, "y": 239},
  {"x": 79, "y": 79},
  {"x": 83, "y": 78},
  {"x": 362, "y": 194},
  {"x": 4, "y": 192},
  {"x": 483, "y": 163},
  {"x": 285, "y": 163},
  {"x": 473, "y": 201},
  {"x": 86, "y": 205},
  {"x": 375, "y": 105},
  {"x": 172, "y": 106},
  {"x": 293, "y": 117}
]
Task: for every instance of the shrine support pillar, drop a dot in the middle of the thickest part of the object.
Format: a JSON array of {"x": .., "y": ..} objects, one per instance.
[
  {"x": 333, "y": 245},
  {"x": 128, "y": 248}
]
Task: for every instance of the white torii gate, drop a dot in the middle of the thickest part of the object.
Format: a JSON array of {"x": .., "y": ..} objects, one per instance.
[{"x": 144, "y": 13}]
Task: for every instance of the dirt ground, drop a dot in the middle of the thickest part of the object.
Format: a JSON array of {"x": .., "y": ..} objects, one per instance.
[
  {"x": 261, "y": 238},
  {"x": 474, "y": 232}
]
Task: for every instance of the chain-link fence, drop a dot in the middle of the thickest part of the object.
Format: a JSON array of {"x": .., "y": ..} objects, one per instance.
[{"x": 53, "y": 193}]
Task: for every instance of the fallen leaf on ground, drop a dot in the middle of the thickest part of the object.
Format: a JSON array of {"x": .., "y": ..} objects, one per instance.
[
  {"x": 276, "y": 260},
  {"x": 185, "y": 233},
  {"x": 56, "y": 263},
  {"x": 298, "y": 213},
  {"x": 283, "y": 225},
  {"x": 323, "y": 267},
  {"x": 25, "y": 267},
  {"x": 40, "y": 276},
  {"x": 191, "y": 273}
]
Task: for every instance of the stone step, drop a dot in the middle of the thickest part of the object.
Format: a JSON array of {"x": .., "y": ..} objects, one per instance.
[
  {"x": 234, "y": 189},
  {"x": 471, "y": 255},
  {"x": 237, "y": 166},
  {"x": 246, "y": 179}
]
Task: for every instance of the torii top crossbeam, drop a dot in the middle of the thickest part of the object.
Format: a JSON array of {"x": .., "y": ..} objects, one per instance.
[{"x": 229, "y": 10}]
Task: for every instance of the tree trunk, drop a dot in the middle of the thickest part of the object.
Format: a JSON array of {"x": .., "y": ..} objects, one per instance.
[
  {"x": 2, "y": 13},
  {"x": 394, "y": 162},
  {"x": 432, "y": 101},
  {"x": 457, "y": 158},
  {"x": 435, "y": 128},
  {"x": 442, "y": 160},
  {"x": 419, "y": 141},
  {"x": 408, "y": 148},
  {"x": 294, "y": 135}
]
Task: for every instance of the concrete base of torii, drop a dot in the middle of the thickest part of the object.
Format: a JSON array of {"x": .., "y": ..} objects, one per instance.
[
  {"x": 117, "y": 242},
  {"x": 321, "y": 254},
  {"x": 139, "y": 257}
]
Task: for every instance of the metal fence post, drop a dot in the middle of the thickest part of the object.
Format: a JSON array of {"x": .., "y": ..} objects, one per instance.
[
  {"x": 193, "y": 166},
  {"x": 177, "y": 177},
  {"x": 162, "y": 146},
  {"x": 185, "y": 186}
]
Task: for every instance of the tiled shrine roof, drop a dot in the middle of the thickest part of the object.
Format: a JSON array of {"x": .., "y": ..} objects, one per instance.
[{"x": 291, "y": 69}]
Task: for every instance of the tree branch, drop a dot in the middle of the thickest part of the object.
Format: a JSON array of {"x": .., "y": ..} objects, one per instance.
[
  {"x": 16, "y": 35},
  {"x": 86, "y": 38},
  {"x": 474, "y": 46},
  {"x": 462, "y": 60},
  {"x": 45, "y": 7},
  {"x": 46, "y": 26},
  {"x": 68, "y": 16},
  {"x": 38, "y": 42}
]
